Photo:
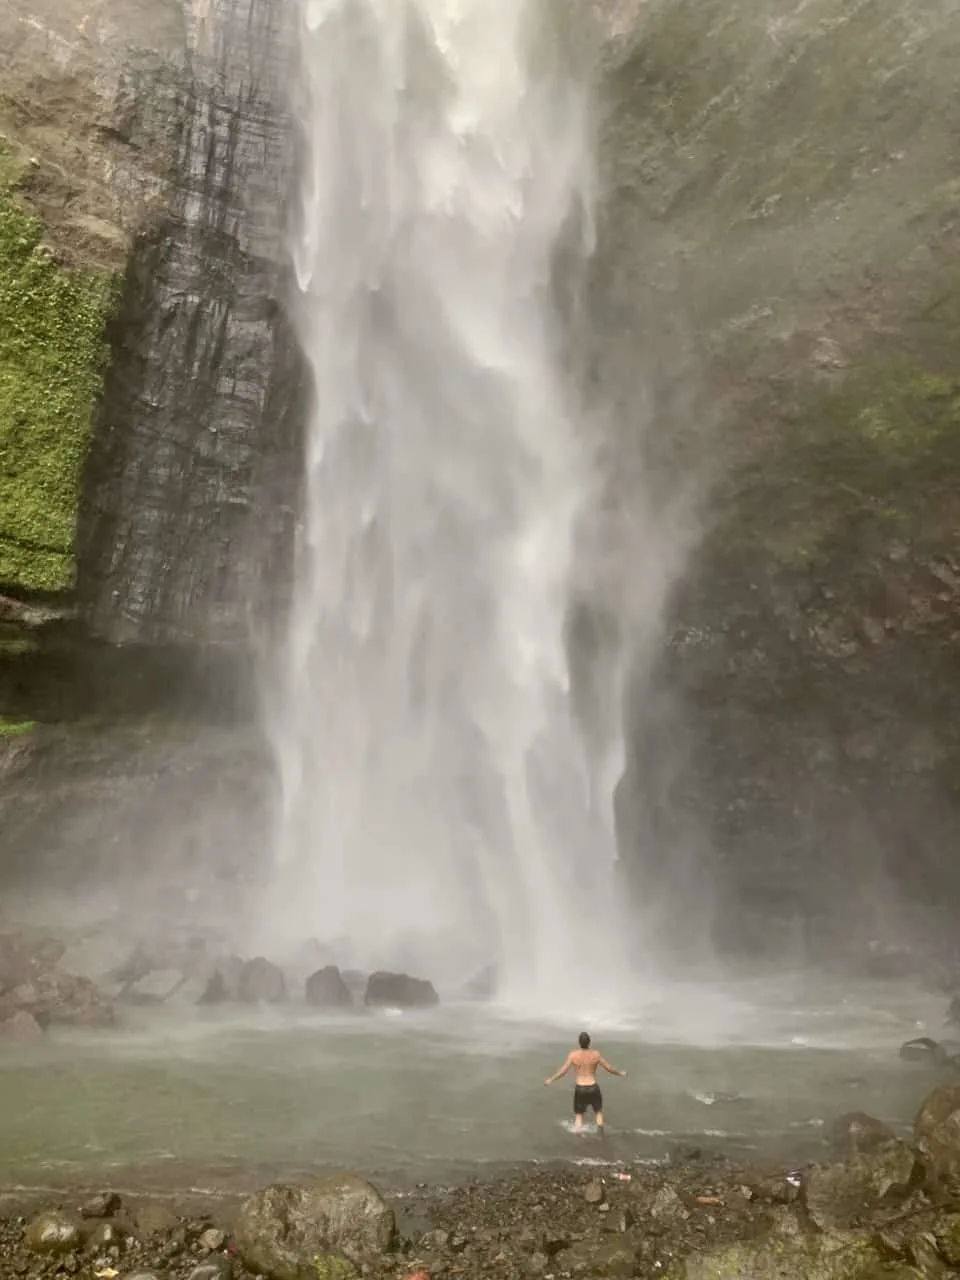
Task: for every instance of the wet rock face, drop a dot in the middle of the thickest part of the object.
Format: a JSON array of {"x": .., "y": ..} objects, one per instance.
[
  {"x": 400, "y": 990},
  {"x": 765, "y": 312},
  {"x": 193, "y": 465},
  {"x": 841, "y": 1195},
  {"x": 261, "y": 982},
  {"x": 937, "y": 1130},
  {"x": 326, "y": 989}
]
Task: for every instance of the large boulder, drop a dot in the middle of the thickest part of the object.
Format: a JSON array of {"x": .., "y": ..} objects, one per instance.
[
  {"x": 842, "y": 1195},
  {"x": 326, "y": 989},
  {"x": 788, "y": 1252},
  {"x": 21, "y": 1026},
  {"x": 292, "y": 1232},
  {"x": 856, "y": 1133},
  {"x": 607, "y": 1258},
  {"x": 23, "y": 958},
  {"x": 223, "y": 982},
  {"x": 60, "y": 999},
  {"x": 54, "y": 1232},
  {"x": 399, "y": 990},
  {"x": 937, "y": 1130},
  {"x": 923, "y": 1049},
  {"x": 261, "y": 982}
]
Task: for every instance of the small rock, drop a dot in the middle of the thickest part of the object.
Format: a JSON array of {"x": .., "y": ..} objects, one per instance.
[
  {"x": 54, "y": 1232},
  {"x": 103, "y": 1235},
  {"x": 212, "y": 1239},
  {"x": 593, "y": 1192},
  {"x": 666, "y": 1205},
  {"x": 219, "y": 1268},
  {"x": 154, "y": 1220},
  {"x": 434, "y": 1240},
  {"x": 103, "y": 1205}
]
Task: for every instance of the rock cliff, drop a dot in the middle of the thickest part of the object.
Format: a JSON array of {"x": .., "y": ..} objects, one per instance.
[
  {"x": 777, "y": 303},
  {"x": 153, "y": 144}
]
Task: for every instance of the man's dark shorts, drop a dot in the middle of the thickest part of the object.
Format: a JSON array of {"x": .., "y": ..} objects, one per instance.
[{"x": 587, "y": 1095}]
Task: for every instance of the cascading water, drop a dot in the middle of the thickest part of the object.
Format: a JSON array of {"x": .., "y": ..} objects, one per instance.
[{"x": 438, "y": 813}]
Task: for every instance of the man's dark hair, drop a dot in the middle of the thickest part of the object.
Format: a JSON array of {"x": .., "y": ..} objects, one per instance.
[{"x": 584, "y": 1040}]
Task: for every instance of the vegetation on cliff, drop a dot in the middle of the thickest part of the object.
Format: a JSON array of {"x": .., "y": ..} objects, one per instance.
[{"x": 52, "y": 356}]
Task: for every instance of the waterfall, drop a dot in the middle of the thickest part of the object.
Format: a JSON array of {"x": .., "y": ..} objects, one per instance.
[{"x": 438, "y": 810}]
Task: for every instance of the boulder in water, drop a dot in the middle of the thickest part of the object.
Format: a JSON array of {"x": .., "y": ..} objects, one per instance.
[
  {"x": 923, "y": 1049},
  {"x": 260, "y": 981},
  {"x": 840, "y": 1195},
  {"x": 54, "y": 1232},
  {"x": 21, "y": 1026},
  {"x": 483, "y": 985},
  {"x": 61, "y": 999},
  {"x": 152, "y": 988},
  {"x": 326, "y": 989},
  {"x": 319, "y": 1228},
  {"x": 937, "y": 1130},
  {"x": 399, "y": 990},
  {"x": 856, "y": 1133}
]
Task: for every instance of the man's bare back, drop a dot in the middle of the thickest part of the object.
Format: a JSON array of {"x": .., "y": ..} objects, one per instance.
[{"x": 584, "y": 1063}]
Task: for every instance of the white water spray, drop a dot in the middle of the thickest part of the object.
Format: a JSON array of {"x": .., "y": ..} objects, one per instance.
[{"x": 438, "y": 812}]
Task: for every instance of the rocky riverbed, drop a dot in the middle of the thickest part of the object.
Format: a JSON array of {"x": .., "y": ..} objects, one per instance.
[{"x": 881, "y": 1207}]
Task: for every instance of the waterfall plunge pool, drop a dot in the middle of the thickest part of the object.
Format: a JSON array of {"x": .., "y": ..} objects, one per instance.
[{"x": 224, "y": 1101}]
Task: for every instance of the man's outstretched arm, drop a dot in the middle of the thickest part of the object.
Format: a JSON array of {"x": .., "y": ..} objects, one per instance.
[
  {"x": 614, "y": 1071},
  {"x": 562, "y": 1071}
]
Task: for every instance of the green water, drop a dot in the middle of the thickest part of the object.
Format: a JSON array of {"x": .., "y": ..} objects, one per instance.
[{"x": 204, "y": 1099}]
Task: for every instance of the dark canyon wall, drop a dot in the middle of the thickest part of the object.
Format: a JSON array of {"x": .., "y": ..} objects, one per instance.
[{"x": 778, "y": 304}]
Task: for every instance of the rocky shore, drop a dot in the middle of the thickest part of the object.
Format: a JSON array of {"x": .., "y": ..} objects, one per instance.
[{"x": 881, "y": 1207}]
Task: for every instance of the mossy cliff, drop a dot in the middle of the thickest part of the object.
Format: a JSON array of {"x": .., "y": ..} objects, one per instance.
[{"x": 53, "y": 352}]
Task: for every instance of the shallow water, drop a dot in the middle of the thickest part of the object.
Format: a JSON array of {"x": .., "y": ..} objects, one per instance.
[{"x": 207, "y": 1099}]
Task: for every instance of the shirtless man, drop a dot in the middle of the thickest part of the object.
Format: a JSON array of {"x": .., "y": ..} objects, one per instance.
[{"x": 586, "y": 1092}]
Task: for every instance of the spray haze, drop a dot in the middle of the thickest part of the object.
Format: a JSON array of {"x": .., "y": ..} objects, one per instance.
[{"x": 438, "y": 809}]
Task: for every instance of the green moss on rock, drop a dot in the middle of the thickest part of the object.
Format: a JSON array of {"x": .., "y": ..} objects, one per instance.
[
  {"x": 333, "y": 1266},
  {"x": 52, "y": 356},
  {"x": 882, "y": 445},
  {"x": 13, "y": 728}
]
